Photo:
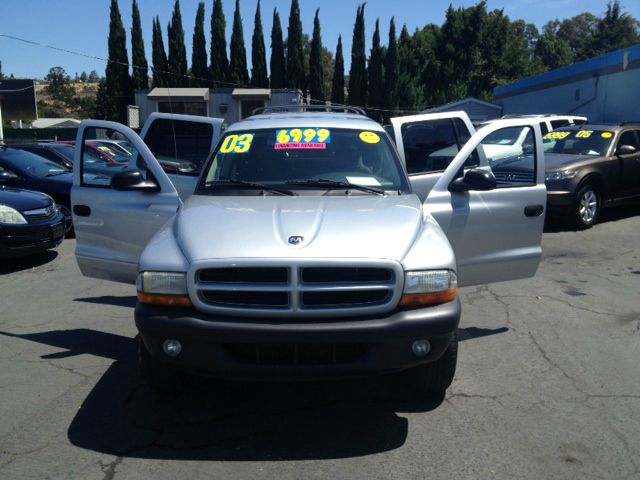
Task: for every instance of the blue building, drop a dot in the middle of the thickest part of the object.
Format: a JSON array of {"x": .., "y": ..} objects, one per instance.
[{"x": 604, "y": 88}]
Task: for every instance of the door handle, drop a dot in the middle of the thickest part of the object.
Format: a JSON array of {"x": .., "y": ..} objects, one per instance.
[
  {"x": 82, "y": 210},
  {"x": 533, "y": 210}
]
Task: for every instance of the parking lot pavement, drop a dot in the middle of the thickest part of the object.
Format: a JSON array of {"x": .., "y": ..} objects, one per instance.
[{"x": 548, "y": 386}]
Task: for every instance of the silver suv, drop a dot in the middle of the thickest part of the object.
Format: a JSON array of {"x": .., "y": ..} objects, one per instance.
[{"x": 303, "y": 251}]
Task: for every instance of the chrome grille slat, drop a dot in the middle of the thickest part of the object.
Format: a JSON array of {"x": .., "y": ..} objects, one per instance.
[
  {"x": 335, "y": 287},
  {"x": 40, "y": 214}
]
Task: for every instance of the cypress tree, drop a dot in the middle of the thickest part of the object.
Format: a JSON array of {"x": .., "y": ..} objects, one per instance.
[
  {"x": 159, "y": 56},
  {"x": 337, "y": 84},
  {"x": 316, "y": 72},
  {"x": 118, "y": 89},
  {"x": 238, "y": 65},
  {"x": 358, "y": 72},
  {"x": 295, "y": 50},
  {"x": 219, "y": 69},
  {"x": 258, "y": 55},
  {"x": 277, "y": 62},
  {"x": 376, "y": 78},
  {"x": 140, "y": 66},
  {"x": 177, "y": 50},
  {"x": 391, "y": 72},
  {"x": 199, "y": 53}
]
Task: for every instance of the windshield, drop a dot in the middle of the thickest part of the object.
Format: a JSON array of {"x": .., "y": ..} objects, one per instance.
[
  {"x": 283, "y": 157},
  {"x": 30, "y": 164},
  {"x": 578, "y": 142}
]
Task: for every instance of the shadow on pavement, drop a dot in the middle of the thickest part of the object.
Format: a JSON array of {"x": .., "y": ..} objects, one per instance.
[
  {"x": 556, "y": 223},
  {"x": 110, "y": 300},
  {"x": 13, "y": 265},
  {"x": 226, "y": 420}
]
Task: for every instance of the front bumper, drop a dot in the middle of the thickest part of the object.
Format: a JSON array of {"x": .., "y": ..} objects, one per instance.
[
  {"x": 265, "y": 348},
  {"x": 30, "y": 238}
]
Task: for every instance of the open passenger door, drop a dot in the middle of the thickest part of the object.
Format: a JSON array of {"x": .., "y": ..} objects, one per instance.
[
  {"x": 117, "y": 207},
  {"x": 492, "y": 210}
]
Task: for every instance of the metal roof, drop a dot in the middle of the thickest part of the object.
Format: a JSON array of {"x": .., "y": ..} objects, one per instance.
[
  {"x": 308, "y": 119},
  {"x": 158, "y": 92}
]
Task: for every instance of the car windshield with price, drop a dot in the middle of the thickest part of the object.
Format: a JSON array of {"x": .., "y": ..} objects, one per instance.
[
  {"x": 578, "y": 142},
  {"x": 305, "y": 160}
]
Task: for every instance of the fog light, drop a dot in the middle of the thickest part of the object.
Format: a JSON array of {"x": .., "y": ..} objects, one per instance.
[
  {"x": 172, "y": 347},
  {"x": 421, "y": 348}
]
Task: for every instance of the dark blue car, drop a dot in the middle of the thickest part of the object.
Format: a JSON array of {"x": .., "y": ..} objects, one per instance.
[
  {"x": 30, "y": 222},
  {"x": 33, "y": 172}
]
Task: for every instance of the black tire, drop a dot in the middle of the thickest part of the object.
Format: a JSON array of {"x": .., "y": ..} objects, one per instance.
[
  {"x": 435, "y": 377},
  {"x": 159, "y": 376},
  {"x": 587, "y": 206}
]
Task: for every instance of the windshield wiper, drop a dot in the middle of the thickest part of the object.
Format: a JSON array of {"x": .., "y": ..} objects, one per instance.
[
  {"x": 241, "y": 183},
  {"x": 326, "y": 183}
]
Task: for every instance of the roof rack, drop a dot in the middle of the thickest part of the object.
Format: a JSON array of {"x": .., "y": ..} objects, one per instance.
[{"x": 309, "y": 108}]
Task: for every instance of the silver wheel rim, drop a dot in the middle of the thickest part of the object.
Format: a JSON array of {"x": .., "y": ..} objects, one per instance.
[
  {"x": 588, "y": 206},
  {"x": 68, "y": 219}
]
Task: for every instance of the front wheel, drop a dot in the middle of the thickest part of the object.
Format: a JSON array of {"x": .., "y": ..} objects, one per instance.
[
  {"x": 587, "y": 206},
  {"x": 435, "y": 377}
]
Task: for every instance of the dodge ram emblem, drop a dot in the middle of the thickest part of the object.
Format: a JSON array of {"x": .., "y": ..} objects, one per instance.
[{"x": 295, "y": 240}]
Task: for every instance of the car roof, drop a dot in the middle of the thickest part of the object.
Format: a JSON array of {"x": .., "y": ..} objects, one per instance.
[
  {"x": 599, "y": 126},
  {"x": 308, "y": 120}
]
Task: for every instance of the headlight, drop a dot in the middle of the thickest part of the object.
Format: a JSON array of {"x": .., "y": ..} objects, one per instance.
[
  {"x": 163, "y": 288},
  {"x": 429, "y": 287},
  {"x": 11, "y": 216},
  {"x": 555, "y": 176}
]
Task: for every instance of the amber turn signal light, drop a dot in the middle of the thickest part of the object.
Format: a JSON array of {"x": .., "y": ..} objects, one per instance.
[
  {"x": 426, "y": 299},
  {"x": 165, "y": 300}
]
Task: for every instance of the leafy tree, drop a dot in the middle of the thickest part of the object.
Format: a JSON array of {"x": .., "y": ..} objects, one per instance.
[
  {"x": 337, "y": 83},
  {"x": 316, "y": 70},
  {"x": 410, "y": 69},
  {"x": 159, "y": 56},
  {"x": 577, "y": 31},
  {"x": 58, "y": 84},
  {"x": 238, "y": 64},
  {"x": 553, "y": 51},
  {"x": 376, "y": 74},
  {"x": 118, "y": 88},
  {"x": 615, "y": 31},
  {"x": 93, "y": 76},
  {"x": 358, "y": 72},
  {"x": 391, "y": 70},
  {"x": 295, "y": 54},
  {"x": 177, "y": 51},
  {"x": 83, "y": 77},
  {"x": 259, "y": 76},
  {"x": 277, "y": 62},
  {"x": 102, "y": 104},
  {"x": 218, "y": 72},
  {"x": 140, "y": 68},
  {"x": 199, "y": 69}
]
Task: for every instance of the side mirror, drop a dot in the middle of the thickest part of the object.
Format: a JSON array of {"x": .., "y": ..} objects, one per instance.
[
  {"x": 133, "y": 180},
  {"x": 626, "y": 150},
  {"x": 475, "y": 179},
  {"x": 7, "y": 178}
]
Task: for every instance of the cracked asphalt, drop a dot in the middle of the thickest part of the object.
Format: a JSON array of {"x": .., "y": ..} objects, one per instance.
[{"x": 548, "y": 386}]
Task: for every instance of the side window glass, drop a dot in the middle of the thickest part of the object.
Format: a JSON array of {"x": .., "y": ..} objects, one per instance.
[
  {"x": 512, "y": 156},
  {"x": 100, "y": 162},
  {"x": 543, "y": 128},
  {"x": 629, "y": 138},
  {"x": 180, "y": 146},
  {"x": 429, "y": 146},
  {"x": 559, "y": 123},
  {"x": 463, "y": 132}
]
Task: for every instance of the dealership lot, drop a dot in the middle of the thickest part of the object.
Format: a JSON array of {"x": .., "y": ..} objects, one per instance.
[{"x": 548, "y": 385}]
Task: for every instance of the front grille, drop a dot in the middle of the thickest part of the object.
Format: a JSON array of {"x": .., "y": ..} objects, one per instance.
[
  {"x": 514, "y": 177},
  {"x": 295, "y": 354},
  {"x": 40, "y": 214},
  {"x": 298, "y": 290}
]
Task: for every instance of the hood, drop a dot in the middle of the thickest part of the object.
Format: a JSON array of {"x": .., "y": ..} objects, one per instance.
[
  {"x": 562, "y": 161},
  {"x": 23, "y": 199},
  {"x": 209, "y": 227}
]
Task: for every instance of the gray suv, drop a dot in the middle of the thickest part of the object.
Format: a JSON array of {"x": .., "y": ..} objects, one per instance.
[{"x": 303, "y": 251}]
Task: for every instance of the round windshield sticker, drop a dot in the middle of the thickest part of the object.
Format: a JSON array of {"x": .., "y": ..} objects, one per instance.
[
  {"x": 369, "y": 137},
  {"x": 607, "y": 134}
]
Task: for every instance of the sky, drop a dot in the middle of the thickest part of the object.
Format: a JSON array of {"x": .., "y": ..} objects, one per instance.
[{"x": 83, "y": 25}]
